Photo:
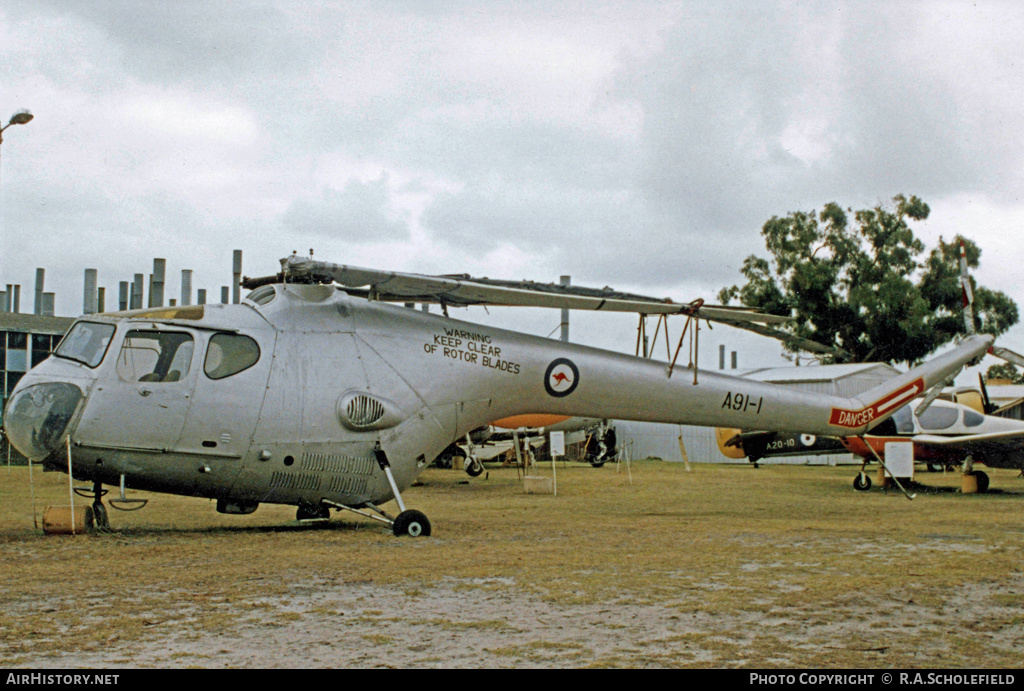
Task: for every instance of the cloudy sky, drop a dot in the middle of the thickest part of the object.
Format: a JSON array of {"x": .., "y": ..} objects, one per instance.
[{"x": 640, "y": 145}]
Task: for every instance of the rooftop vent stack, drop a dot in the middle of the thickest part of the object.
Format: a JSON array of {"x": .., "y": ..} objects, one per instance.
[
  {"x": 16, "y": 308},
  {"x": 122, "y": 295},
  {"x": 48, "y": 300},
  {"x": 201, "y": 296},
  {"x": 137, "y": 284},
  {"x": 3, "y": 301},
  {"x": 89, "y": 299},
  {"x": 8, "y": 298},
  {"x": 186, "y": 286},
  {"x": 40, "y": 276},
  {"x": 236, "y": 279},
  {"x": 101, "y": 299},
  {"x": 224, "y": 295},
  {"x": 156, "y": 292},
  {"x": 565, "y": 313}
]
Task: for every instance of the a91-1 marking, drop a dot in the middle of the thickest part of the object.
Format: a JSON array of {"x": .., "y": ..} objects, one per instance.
[{"x": 742, "y": 402}]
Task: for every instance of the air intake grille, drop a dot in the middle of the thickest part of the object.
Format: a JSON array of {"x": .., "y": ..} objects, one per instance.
[{"x": 363, "y": 411}]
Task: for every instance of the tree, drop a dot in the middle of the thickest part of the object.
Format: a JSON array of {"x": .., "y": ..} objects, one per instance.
[
  {"x": 862, "y": 288},
  {"x": 1006, "y": 371}
]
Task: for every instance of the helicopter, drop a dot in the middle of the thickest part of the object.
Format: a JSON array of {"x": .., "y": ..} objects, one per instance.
[{"x": 316, "y": 391}]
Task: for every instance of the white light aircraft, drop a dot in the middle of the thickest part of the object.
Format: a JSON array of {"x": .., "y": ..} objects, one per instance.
[
  {"x": 326, "y": 397},
  {"x": 960, "y": 432}
]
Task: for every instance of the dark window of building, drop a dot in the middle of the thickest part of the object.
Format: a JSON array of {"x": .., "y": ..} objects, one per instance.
[
  {"x": 12, "y": 380},
  {"x": 17, "y": 351},
  {"x": 40, "y": 348}
]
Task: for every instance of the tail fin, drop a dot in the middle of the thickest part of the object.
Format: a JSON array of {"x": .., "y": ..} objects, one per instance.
[
  {"x": 968, "y": 296},
  {"x": 890, "y": 396}
]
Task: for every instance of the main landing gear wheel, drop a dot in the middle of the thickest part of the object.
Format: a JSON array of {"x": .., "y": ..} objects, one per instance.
[
  {"x": 474, "y": 468},
  {"x": 412, "y": 523},
  {"x": 862, "y": 482}
]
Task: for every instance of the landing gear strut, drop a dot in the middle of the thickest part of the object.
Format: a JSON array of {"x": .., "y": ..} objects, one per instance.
[
  {"x": 99, "y": 511},
  {"x": 409, "y": 522},
  {"x": 862, "y": 482}
]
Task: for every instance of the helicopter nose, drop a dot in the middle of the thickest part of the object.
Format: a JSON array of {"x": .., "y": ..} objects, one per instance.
[{"x": 37, "y": 417}]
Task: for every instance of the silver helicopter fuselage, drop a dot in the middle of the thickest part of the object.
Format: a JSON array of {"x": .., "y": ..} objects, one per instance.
[{"x": 285, "y": 397}]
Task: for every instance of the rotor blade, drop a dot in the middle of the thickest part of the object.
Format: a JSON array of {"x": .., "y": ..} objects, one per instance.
[
  {"x": 1008, "y": 355},
  {"x": 968, "y": 294},
  {"x": 464, "y": 290},
  {"x": 932, "y": 394},
  {"x": 796, "y": 342}
]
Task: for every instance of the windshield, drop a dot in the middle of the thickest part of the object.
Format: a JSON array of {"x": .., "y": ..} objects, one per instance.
[{"x": 86, "y": 342}]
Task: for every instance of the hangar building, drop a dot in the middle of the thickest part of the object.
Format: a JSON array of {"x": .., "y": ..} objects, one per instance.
[{"x": 667, "y": 442}]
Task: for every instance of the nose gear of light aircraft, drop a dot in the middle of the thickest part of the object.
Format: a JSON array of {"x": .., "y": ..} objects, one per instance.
[{"x": 474, "y": 467}]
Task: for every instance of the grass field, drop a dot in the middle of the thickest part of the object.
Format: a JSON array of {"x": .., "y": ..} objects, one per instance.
[{"x": 723, "y": 566}]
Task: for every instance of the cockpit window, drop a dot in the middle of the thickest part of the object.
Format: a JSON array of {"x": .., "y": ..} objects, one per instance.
[
  {"x": 86, "y": 342},
  {"x": 936, "y": 417},
  {"x": 230, "y": 354},
  {"x": 904, "y": 420},
  {"x": 972, "y": 419},
  {"x": 155, "y": 356}
]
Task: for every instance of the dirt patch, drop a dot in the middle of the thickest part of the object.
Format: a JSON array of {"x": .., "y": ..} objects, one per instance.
[
  {"x": 794, "y": 570},
  {"x": 487, "y": 623}
]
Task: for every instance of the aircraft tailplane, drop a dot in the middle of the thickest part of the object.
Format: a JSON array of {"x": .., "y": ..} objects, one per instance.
[{"x": 879, "y": 403}]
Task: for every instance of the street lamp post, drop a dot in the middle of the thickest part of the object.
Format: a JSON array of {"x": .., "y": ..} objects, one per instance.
[{"x": 20, "y": 118}]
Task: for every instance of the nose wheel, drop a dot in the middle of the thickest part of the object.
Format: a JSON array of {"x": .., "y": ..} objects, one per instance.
[{"x": 99, "y": 511}]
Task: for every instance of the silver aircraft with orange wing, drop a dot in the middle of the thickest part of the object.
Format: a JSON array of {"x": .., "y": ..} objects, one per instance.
[{"x": 314, "y": 391}]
